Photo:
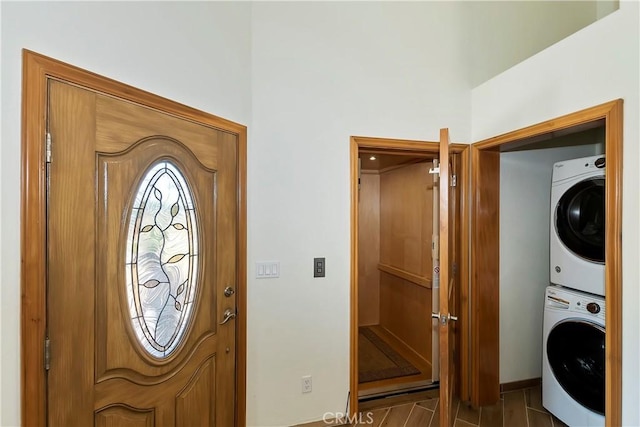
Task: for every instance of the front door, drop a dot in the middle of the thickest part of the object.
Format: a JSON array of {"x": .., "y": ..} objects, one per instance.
[{"x": 141, "y": 248}]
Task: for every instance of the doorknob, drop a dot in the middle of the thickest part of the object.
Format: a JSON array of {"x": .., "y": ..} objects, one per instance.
[
  {"x": 444, "y": 319},
  {"x": 228, "y": 291},
  {"x": 228, "y": 315}
]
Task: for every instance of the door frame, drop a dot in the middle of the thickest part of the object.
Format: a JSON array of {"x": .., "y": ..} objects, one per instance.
[
  {"x": 408, "y": 147},
  {"x": 485, "y": 252},
  {"x": 36, "y": 70}
]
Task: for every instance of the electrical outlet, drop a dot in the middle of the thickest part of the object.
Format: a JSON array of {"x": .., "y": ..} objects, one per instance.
[{"x": 306, "y": 384}]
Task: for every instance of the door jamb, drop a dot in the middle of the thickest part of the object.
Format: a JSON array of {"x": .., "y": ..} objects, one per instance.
[
  {"x": 611, "y": 113},
  {"x": 36, "y": 70},
  {"x": 408, "y": 147}
]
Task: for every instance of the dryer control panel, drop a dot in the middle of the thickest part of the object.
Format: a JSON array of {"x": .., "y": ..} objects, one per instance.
[{"x": 578, "y": 168}]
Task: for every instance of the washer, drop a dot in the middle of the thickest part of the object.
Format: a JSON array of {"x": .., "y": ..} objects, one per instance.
[
  {"x": 576, "y": 241},
  {"x": 573, "y": 359}
]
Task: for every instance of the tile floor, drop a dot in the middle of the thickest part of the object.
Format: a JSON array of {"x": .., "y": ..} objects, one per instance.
[{"x": 520, "y": 408}]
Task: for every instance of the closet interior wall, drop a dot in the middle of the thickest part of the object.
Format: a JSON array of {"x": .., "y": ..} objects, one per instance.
[
  {"x": 525, "y": 191},
  {"x": 395, "y": 264}
]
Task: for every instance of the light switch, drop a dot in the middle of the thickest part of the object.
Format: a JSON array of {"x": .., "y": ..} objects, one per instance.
[
  {"x": 318, "y": 267},
  {"x": 267, "y": 269}
]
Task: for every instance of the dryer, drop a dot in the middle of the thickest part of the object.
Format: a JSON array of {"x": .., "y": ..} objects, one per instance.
[
  {"x": 573, "y": 359},
  {"x": 577, "y": 226}
]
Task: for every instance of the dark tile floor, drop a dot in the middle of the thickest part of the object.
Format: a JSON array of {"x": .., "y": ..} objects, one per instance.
[{"x": 520, "y": 408}]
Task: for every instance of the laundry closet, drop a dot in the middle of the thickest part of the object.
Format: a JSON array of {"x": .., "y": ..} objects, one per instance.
[
  {"x": 395, "y": 264},
  {"x": 526, "y": 218}
]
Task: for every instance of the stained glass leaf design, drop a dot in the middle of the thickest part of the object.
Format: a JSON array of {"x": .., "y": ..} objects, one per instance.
[
  {"x": 151, "y": 283},
  {"x": 163, "y": 196},
  {"x": 176, "y": 258}
]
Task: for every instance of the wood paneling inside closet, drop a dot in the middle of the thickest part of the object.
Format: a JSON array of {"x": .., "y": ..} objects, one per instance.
[
  {"x": 406, "y": 212},
  {"x": 405, "y": 311},
  {"x": 369, "y": 250}
]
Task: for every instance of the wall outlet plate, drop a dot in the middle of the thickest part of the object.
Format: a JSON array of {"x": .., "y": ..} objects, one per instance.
[{"x": 306, "y": 384}]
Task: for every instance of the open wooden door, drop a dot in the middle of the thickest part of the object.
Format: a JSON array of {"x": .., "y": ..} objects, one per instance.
[{"x": 447, "y": 293}]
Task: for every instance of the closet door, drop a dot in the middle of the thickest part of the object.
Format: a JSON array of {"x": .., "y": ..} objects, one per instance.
[{"x": 447, "y": 314}]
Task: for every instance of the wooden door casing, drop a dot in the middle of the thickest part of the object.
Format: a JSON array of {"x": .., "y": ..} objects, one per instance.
[
  {"x": 408, "y": 148},
  {"x": 485, "y": 249},
  {"x": 38, "y": 71}
]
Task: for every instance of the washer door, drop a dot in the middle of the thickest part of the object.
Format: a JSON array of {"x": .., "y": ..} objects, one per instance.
[
  {"x": 580, "y": 219},
  {"x": 575, "y": 350}
]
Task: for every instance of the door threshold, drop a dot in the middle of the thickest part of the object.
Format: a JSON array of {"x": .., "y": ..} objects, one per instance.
[{"x": 396, "y": 390}]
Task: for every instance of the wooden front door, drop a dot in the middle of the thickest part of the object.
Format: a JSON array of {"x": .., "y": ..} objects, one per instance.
[{"x": 141, "y": 246}]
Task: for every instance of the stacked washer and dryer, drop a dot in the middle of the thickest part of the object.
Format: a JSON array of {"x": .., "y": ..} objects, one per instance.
[{"x": 573, "y": 360}]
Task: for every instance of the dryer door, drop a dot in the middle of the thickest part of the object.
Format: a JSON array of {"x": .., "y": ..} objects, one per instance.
[
  {"x": 580, "y": 219},
  {"x": 575, "y": 350}
]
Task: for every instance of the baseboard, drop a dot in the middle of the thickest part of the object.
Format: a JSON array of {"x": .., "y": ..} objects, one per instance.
[{"x": 519, "y": 385}]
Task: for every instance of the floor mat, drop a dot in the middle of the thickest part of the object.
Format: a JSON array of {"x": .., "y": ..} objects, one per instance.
[{"x": 379, "y": 361}]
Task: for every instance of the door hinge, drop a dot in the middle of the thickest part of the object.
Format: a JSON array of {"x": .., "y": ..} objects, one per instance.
[
  {"x": 47, "y": 353},
  {"x": 48, "y": 147},
  {"x": 454, "y": 180}
]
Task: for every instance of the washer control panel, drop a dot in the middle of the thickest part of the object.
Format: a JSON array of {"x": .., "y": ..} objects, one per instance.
[
  {"x": 577, "y": 302},
  {"x": 593, "y": 308}
]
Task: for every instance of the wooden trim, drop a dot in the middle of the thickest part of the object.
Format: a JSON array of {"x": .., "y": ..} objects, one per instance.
[
  {"x": 36, "y": 70},
  {"x": 241, "y": 286},
  {"x": 32, "y": 242},
  {"x": 425, "y": 282},
  {"x": 389, "y": 145},
  {"x": 485, "y": 275},
  {"x": 563, "y": 122},
  {"x": 611, "y": 112},
  {"x": 463, "y": 323},
  {"x": 353, "y": 328},
  {"x": 613, "y": 264},
  {"x": 519, "y": 385}
]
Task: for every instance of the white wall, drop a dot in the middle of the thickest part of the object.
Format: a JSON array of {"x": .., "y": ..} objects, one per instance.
[
  {"x": 195, "y": 53},
  {"x": 503, "y": 33},
  {"x": 525, "y": 190},
  {"x": 323, "y": 72},
  {"x": 1, "y": 226},
  {"x": 595, "y": 65}
]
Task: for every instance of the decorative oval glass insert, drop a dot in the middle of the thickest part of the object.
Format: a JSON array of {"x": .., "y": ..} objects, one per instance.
[{"x": 161, "y": 261}]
